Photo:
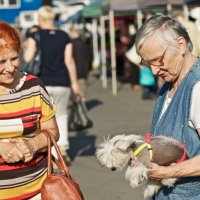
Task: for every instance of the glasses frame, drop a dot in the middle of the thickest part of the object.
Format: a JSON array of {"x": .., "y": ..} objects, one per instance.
[{"x": 154, "y": 62}]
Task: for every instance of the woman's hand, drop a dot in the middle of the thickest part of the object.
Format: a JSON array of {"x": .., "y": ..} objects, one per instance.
[
  {"x": 159, "y": 172},
  {"x": 26, "y": 146},
  {"x": 186, "y": 168},
  {"x": 10, "y": 152}
]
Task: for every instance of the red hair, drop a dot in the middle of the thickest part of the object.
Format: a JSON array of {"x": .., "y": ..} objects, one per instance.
[{"x": 9, "y": 37}]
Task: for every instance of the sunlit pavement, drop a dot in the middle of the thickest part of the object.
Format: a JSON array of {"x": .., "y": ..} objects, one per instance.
[{"x": 122, "y": 114}]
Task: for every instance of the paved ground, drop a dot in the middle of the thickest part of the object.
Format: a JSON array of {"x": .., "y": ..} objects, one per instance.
[{"x": 124, "y": 113}]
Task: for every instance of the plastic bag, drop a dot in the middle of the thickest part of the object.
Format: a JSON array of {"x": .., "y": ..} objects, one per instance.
[
  {"x": 78, "y": 119},
  {"x": 146, "y": 77}
]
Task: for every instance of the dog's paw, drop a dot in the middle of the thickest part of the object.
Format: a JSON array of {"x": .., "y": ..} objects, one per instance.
[
  {"x": 152, "y": 187},
  {"x": 168, "y": 182},
  {"x": 149, "y": 193},
  {"x": 134, "y": 180},
  {"x": 136, "y": 175}
]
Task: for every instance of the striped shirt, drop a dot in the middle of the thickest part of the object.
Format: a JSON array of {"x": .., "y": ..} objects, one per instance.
[{"x": 21, "y": 112}]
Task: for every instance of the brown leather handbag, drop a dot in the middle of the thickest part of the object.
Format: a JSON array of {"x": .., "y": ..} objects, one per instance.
[{"x": 58, "y": 186}]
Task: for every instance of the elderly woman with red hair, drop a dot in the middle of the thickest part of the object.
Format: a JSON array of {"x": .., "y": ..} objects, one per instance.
[{"x": 25, "y": 111}]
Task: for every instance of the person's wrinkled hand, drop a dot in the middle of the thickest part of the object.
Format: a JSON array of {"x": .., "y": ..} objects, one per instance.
[
  {"x": 11, "y": 153},
  {"x": 158, "y": 172},
  {"x": 26, "y": 147}
]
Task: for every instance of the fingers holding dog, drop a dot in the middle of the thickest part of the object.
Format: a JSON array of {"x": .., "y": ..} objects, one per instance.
[{"x": 158, "y": 172}]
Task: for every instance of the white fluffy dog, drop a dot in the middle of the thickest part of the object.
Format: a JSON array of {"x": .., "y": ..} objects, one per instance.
[{"x": 136, "y": 153}]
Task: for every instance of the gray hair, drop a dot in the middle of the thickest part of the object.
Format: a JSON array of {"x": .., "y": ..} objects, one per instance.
[{"x": 168, "y": 30}]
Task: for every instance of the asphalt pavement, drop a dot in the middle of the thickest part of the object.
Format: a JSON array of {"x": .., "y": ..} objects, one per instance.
[{"x": 124, "y": 113}]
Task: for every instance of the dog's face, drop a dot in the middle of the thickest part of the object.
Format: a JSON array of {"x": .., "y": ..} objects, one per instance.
[{"x": 113, "y": 154}]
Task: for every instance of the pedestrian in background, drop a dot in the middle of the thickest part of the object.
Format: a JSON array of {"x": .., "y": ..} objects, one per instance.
[
  {"x": 165, "y": 47},
  {"x": 58, "y": 71},
  {"x": 148, "y": 83},
  {"x": 191, "y": 29},
  {"x": 83, "y": 58},
  {"x": 25, "y": 111}
]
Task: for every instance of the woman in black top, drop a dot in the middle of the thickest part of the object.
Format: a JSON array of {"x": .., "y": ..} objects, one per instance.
[{"x": 58, "y": 71}]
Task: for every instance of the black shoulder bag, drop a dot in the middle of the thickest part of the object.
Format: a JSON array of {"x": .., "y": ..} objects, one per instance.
[{"x": 78, "y": 118}]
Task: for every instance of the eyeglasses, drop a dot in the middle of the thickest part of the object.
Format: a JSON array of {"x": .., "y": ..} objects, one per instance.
[
  {"x": 14, "y": 61},
  {"x": 155, "y": 62}
]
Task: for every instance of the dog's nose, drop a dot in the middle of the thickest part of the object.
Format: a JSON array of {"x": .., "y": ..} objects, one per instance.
[{"x": 113, "y": 168}]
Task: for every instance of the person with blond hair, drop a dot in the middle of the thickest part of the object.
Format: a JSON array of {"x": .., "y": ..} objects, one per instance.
[
  {"x": 58, "y": 70},
  {"x": 26, "y": 110}
]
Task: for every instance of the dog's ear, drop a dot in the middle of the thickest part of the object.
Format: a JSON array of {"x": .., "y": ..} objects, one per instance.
[
  {"x": 116, "y": 151},
  {"x": 132, "y": 146},
  {"x": 124, "y": 145},
  {"x": 123, "y": 142}
]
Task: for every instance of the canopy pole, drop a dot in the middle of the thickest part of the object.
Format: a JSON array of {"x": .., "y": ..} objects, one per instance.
[
  {"x": 113, "y": 52},
  {"x": 103, "y": 51},
  {"x": 139, "y": 18},
  {"x": 95, "y": 42},
  {"x": 169, "y": 8},
  {"x": 186, "y": 11}
]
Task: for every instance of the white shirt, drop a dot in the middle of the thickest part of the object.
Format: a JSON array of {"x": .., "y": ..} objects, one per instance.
[{"x": 194, "y": 118}]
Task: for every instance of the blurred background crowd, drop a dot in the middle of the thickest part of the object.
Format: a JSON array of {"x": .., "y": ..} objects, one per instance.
[{"x": 103, "y": 33}]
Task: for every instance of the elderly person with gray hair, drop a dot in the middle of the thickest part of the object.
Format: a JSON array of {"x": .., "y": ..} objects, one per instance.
[{"x": 165, "y": 47}]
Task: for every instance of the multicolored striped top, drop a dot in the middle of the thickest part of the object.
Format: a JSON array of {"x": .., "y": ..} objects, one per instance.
[{"x": 21, "y": 112}]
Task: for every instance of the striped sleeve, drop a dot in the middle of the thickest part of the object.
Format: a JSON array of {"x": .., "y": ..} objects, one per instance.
[
  {"x": 21, "y": 112},
  {"x": 47, "y": 107}
]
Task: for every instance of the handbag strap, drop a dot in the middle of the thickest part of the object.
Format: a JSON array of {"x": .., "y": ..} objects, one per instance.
[{"x": 59, "y": 162}]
